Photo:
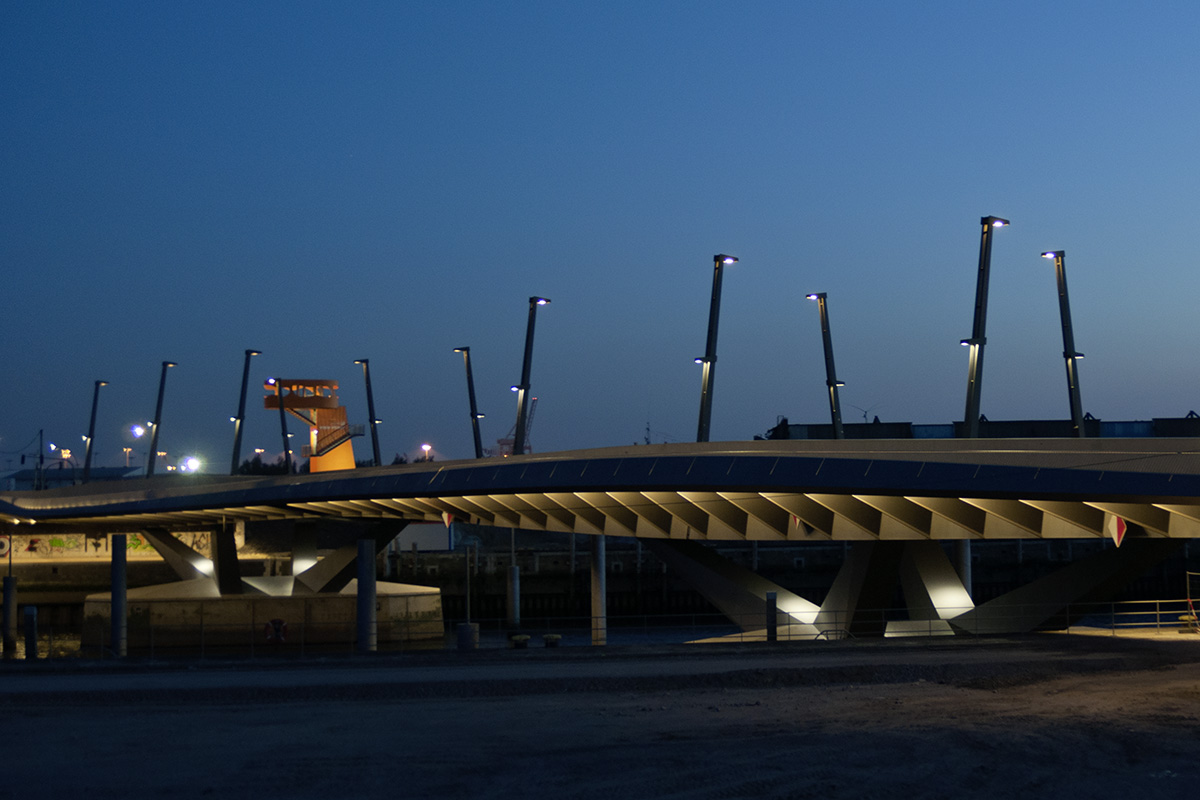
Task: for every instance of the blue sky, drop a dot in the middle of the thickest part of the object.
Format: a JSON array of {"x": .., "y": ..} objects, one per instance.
[{"x": 327, "y": 182}]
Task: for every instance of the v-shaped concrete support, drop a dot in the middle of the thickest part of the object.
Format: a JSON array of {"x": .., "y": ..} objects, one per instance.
[{"x": 739, "y": 593}]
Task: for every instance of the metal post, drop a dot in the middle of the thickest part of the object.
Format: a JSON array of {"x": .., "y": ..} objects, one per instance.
[
  {"x": 831, "y": 381},
  {"x": 241, "y": 415},
  {"x": 709, "y": 361},
  {"x": 162, "y": 385},
  {"x": 1064, "y": 308},
  {"x": 10, "y": 609},
  {"x": 978, "y": 331},
  {"x": 523, "y": 386},
  {"x": 87, "y": 458},
  {"x": 475, "y": 415},
  {"x": 366, "y": 365},
  {"x": 467, "y": 598},
  {"x": 599, "y": 592},
  {"x": 118, "y": 605},
  {"x": 514, "y": 583},
  {"x": 31, "y": 636},
  {"x": 367, "y": 634}
]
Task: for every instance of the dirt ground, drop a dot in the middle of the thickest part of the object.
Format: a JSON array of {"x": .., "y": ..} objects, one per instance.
[{"x": 1006, "y": 719}]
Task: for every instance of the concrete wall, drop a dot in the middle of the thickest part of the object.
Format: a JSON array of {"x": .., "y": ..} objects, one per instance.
[{"x": 248, "y": 620}]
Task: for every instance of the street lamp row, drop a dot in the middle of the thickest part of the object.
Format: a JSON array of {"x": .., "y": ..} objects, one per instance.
[
  {"x": 974, "y": 379},
  {"x": 978, "y": 336}
]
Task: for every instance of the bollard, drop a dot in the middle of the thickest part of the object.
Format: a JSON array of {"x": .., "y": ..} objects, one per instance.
[
  {"x": 772, "y": 617},
  {"x": 31, "y": 645},
  {"x": 468, "y": 635}
]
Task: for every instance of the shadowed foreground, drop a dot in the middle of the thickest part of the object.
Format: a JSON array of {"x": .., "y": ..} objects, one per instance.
[{"x": 1079, "y": 715}]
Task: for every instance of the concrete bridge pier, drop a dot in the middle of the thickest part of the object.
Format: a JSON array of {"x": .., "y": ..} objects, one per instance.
[
  {"x": 366, "y": 605},
  {"x": 119, "y": 638},
  {"x": 599, "y": 592}
]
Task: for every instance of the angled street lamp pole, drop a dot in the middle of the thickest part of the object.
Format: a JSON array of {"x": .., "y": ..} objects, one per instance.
[
  {"x": 475, "y": 415},
  {"x": 241, "y": 415},
  {"x": 1069, "y": 353},
  {"x": 831, "y": 381},
  {"x": 366, "y": 365},
  {"x": 273, "y": 383},
  {"x": 978, "y": 335},
  {"x": 709, "y": 360},
  {"x": 162, "y": 385},
  {"x": 87, "y": 457},
  {"x": 523, "y": 387}
]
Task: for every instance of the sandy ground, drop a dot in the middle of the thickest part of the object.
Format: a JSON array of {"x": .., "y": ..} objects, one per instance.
[{"x": 1035, "y": 717}]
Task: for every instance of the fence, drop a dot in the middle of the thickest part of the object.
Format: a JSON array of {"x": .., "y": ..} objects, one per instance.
[{"x": 310, "y": 639}]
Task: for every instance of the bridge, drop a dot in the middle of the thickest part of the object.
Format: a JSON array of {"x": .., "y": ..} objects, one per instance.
[{"x": 896, "y": 500}]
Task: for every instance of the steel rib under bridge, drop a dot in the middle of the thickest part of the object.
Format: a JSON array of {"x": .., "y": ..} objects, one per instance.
[{"x": 762, "y": 490}]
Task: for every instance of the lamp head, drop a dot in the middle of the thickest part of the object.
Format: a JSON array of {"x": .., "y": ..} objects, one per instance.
[
  {"x": 1054, "y": 254},
  {"x": 514, "y": 388},
  {"x": 721, "y": 258},
  {"x": 254, "y": 352},
  {"x": 816, "y": 296},
  {"x": 995, "y": 222},
  {"x": 363, "y": 361},
  {"x": 462, "y": 349},
  {"x": 102, "y": 383},
  {"x": 538, "y": 301},
  {"x": 701, "y": 360},
  {"x": 170, "y": 364}
]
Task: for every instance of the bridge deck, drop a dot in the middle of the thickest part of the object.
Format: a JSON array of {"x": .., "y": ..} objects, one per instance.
[{"x": 762, "y": 490}]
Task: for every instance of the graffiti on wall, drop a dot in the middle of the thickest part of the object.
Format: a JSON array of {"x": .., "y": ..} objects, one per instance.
[{"x": 83, "y": 546}]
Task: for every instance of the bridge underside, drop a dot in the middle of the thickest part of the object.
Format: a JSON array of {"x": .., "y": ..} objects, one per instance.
[{"x": 898, "y": 497}]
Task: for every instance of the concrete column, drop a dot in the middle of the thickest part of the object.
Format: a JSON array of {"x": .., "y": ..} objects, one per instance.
[
  {"x": 119, "y": 639},
  {"x": 226, "y": 569},
  {"x": 367, "y": 634},
  {"x": 10, "y": 615},
  {"x": 772, "y": 617},
  {"x": 599, "y": 592},
  {"x": 571, "y": 587},
  {"x": 962, "y": 562}
]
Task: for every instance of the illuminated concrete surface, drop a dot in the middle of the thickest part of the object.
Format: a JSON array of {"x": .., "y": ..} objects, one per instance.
[{"x": 763, "y": 490}]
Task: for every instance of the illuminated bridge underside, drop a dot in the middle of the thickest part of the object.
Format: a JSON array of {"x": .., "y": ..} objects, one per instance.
[{"x": 759, "y": 491}]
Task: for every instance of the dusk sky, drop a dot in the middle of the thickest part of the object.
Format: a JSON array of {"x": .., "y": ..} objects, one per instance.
[{"x": 332, "y": 181}]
